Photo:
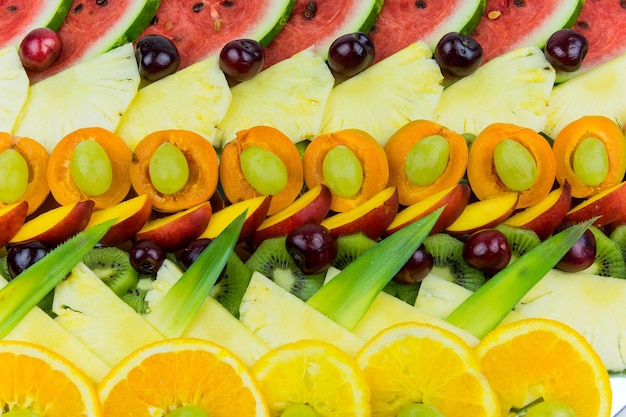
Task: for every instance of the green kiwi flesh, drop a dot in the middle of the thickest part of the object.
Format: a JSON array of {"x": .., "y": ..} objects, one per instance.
[
  {"x": 618, "y": 235},
  {"x": 350, "y": 247},
  {"x": 231, "y": 287},
  {"x": 609, "y": 260},
  {"x": 520, "y": 240},
  {"x": 136, "y": 295},
  {"x": 112, "y": 266},
  {"x": 272, "y": 260}
]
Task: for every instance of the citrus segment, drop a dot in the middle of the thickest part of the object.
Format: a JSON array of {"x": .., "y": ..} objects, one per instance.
[
  {"x": 411, "y": 363},
  {"x": 165, "y": 375},
  {"x": 312, "y": 373},
  {"x": 541, "y": 359},
  {"x": 35, "y": 378}
]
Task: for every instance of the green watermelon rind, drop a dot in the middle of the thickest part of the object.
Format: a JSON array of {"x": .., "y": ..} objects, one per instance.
[
  {"x": 269, "y": 28},
  {"x": 370, "y": 21},
  {"x": 50, "y": 14},
  {"x": 141, "y": 14},
  {"x": 463, "y": 20},
  {"x": 62, "y": 9}
]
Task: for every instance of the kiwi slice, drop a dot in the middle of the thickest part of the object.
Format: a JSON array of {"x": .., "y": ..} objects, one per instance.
[
  {"x": 4, "y": 268},
  {"x": 350, "y": 247},
  {"x": 520, "y": 240},
  {"x": 135, "y": 296},
  {"x": 272, "y": 260},
  {"x": 618, "y": 235},
  {"x": 448, "y": 263},
  {"x": 609, "y": 260},
  {"x": 112, "y": 266},
  {"x": 232, "y": 285}
]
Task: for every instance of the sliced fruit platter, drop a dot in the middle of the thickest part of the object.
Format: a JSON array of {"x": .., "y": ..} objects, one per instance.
[{"x": 312, "y": 208}]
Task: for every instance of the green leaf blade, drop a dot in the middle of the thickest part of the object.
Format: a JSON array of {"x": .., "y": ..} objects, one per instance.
[
  {"x": 177, "y": 308},
  {"x": 348, "y": 296}
]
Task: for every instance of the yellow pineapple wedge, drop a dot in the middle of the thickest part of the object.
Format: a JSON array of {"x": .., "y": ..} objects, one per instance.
[
  {"x": 14, "y": 86},
  {"x": 39, "y": 328},
  {"x": 95, "y": 315},
  {"x": 95, "y": 92},
  {"x": 290, "y": 96},
  {"x": 591, "y": 304},
  {"x": 513, "y": 88},
  {"x": 212, "y": 322},
  {"x": 279, "y": 317},
  {"x": 599, "y": 91},
  {"x": 194, "y": 98},
  {"x": 403, "y": 87}
]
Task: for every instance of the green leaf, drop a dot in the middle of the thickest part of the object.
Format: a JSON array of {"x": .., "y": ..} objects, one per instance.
[
  {"x": 348, "y": 296},
  {"x": 177, "y": 308},
  {"x": 482, "y": 311},
  {"x": 26, "y": 290}
]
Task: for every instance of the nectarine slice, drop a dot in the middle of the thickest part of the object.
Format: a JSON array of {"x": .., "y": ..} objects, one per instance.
[
  {"x": 484, "y": 213},
  {"x": 12, "y": 217},
  {"x": 114, "y": 157},
  {"x": 609, "y": 205},
  {"x": 256, "y": 210},
  {"x": 131, "y": 215}
]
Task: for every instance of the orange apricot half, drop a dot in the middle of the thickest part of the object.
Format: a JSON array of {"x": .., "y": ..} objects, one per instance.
[
  {"x": 261, "y": 161},
  {"x": 424, "y": 159},
  {"x": 351, "y": 163},
  {"x": 85, "y": 157},
  {"x": 34, "y": 157},
  {"x": 196, "y": 156}
]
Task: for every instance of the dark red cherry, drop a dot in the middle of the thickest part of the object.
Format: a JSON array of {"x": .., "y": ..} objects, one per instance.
[
  {"x": 581, "y": 256},
  {"x": 312, "y": 247},
  {"x": 191, "y": 252},
  {"x": 40, "y": 49},
  {"x": 416, "y": 268},
  {"x": 242, "y": 59},
  {"x": 487, "y": 250},
  {"x": 22, "y": 255},
  {"x": 350, "y": 54},
  {"x": 458, "y": 55},
  {"x": 157, "y": 57},
  {"x": 566, "y": 49},
  {"x": 147, "y": 256}
]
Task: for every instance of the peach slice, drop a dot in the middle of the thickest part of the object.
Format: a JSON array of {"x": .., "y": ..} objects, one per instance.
[
  {"x": 257, "y": 210},
  {"x": 371, "y": 217},
  {"x": 311, "y": 207},
  {"x": 546, "y": 215},
  {"x": 131, "y": 216},
  {"x": 177, "y": 230},
  {"x": 12, "y": 217},
  {"x": 484, "y": 213},
  {"x": 609, "y": 205},
  {"x": 454, "y": 199},
  {"x": 56, "y": 225}
]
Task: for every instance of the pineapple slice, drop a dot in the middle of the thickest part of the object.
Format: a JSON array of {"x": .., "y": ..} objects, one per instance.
[
  {"x": 95, "y": 315},
  {"x": 376, "y": 102},
  {"x": 512, "y": 88},
  {"x": 39, "y": 328},
  {"x": 212, "y": 322},
  {"x": 279, "y": 317},
  {"x": 591, "y": 304},
  {"x": 289, "y": 96},
  {"x": 95, "y": 92},
  {"x": 14, "y": 86},
  {"x": 194, "y": 98},
  {"x": 599, "y": 91}
]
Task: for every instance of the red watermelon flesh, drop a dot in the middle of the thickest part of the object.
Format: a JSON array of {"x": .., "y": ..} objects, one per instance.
[
  {"x": 201, "y": 28},
  {"x": 403, "y": 22},
  {"x": 19, "y": 17},
  {"x": 319, "y": 27},
  {"x": 90, "y": 29},
  {"x": 603, "y": 22}
]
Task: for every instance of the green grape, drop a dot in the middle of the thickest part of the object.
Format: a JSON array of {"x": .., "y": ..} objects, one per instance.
[
  {"x": 264, "y": 170},
  {"x": 13, "y": 175},
  {"x": 91, "y": 169},
  {"x": 419, "y": 410},
  {"x": 168, "y": 168},
  {"x": 515, "y": 165},
  {"x": 299, "y": 410},
  {"x": 427, "y": 160},
  {"x": 591, "y": 161},
  {"x": 550, "y": 409},
  {"x": 342, "y": 171},
  {"x": 188, "y": 411}
]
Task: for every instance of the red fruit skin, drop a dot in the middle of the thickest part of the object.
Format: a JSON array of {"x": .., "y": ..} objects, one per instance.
[
  {"x": 40, "y": 49},
  {"x": 487, "y": 250},
  {"x": 581, "y": 256}
]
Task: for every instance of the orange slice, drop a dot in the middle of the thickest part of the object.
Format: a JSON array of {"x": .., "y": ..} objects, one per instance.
[
  {"x": 533, "y": 359},
  {"x": 412, "y": 363},
  {"x": 36, "y": 379},
  {"x": 181, "y": 372},
  {"x": 312, "y": 374}
]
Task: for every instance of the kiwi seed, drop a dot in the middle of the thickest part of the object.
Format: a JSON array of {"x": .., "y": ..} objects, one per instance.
[
  {"x": 112, "y": 266},
  {"x": 232, "y": 285}
]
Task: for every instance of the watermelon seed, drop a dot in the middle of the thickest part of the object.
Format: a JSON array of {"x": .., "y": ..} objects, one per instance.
[
  {"x": 102, "y": 2},
  {"x": 420, "y": 4},
  {"x": 310, "y": 9},
  {"x": 228, "y": 3},
  {"x": 623, "y": 3},
  {"x": 519, "y": 3},
  {"x": 196, "y": 8},
  {"x": 12, "y": 8},
  {"x": 78, "y": 8}
]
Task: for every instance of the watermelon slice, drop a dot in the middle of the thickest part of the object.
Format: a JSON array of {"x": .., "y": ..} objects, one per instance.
[
  {"x": 511, "y": 24},
  {"x": 403, "y": 22},
  {"x": 19, "y": 17},
  {"x": 319, "y": 23},
  {"x": 200, "y": 29},
  {"x": 602, "y": 23},
  {"x": 92, "y": 28}
]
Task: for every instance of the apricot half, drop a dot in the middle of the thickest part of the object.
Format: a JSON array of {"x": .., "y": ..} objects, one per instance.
[
  {"x": 33, "y": 158},
  {"x": 90, "y": 164},
  {"x": 351, "y": 163},
  {"x": 261, "y": 161},
  {"x": 162, "y": 158}
]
